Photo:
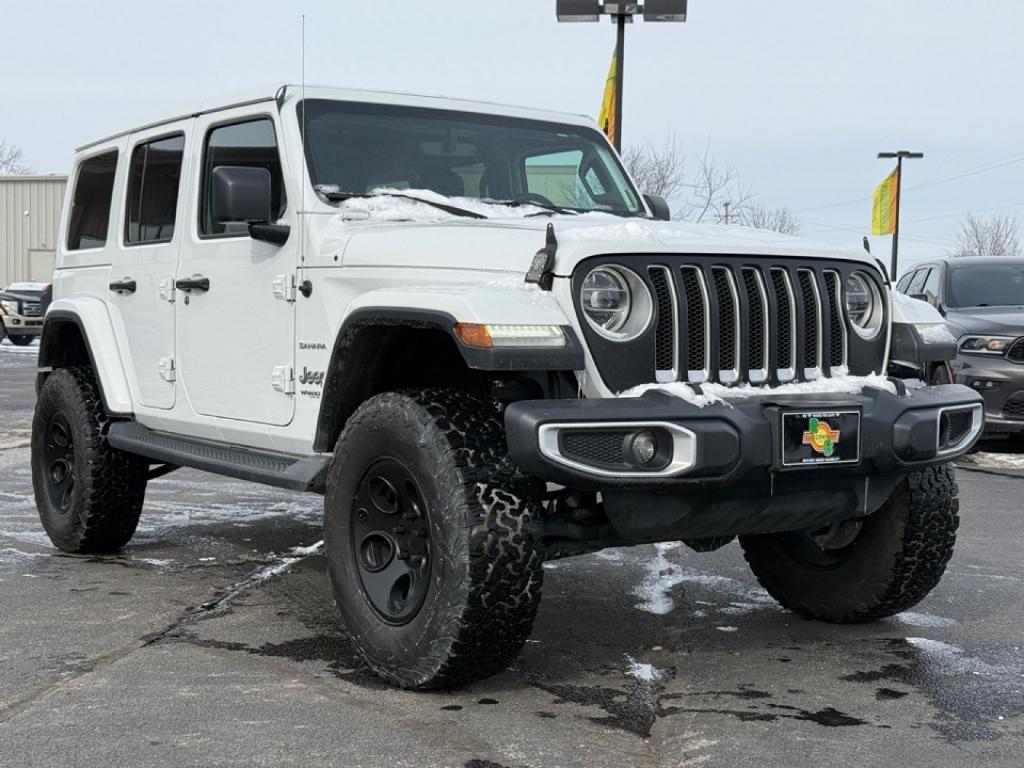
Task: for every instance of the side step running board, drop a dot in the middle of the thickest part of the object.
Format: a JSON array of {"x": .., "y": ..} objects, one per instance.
[{"x": 278, "y": 469}]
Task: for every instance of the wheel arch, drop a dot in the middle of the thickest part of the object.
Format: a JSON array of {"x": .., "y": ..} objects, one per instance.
[
  {"x": 79, "y": 333},
  {"x": 363, "y": 361}
]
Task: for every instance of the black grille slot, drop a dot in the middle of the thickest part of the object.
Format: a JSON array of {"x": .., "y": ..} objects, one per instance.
[
  {"x": 809, "y": 298},
  {"x": 594, "y": 447},
  {"x": 784, "y": 333},
  {"x": 31, "y": 309},
  {"x": 1016, "y": 351},
  {"x": 1014, "y": 407},
  {"x": 728, "y": 322},
  {"x": 757, "y": 321},
  {"x": 665, "y": 332},
  {"x": 837, "y": 350},
  {"x": 696, "y": 339},
  {"x": 954, "y": 427}
]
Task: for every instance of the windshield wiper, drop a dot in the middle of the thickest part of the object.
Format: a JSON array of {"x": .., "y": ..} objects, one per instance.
[
  {"x": 548, "y": 208},
  {"x": 340, "y": 197}
]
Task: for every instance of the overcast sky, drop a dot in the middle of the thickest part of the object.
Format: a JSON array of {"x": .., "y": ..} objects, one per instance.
[{"x": 797, "y": 95}]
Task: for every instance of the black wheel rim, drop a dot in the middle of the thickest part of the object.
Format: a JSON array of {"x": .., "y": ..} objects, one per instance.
[
  {"x": 59, "y": 454},
  {"x": 391, "y": 540}
]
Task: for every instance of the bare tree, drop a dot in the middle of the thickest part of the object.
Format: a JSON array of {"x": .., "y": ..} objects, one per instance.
[
  {"x": 776, "y": 219},
  {"x": 715, "y": 193},
  {"x": 657, "y": 171},
  {"x": 10, "y": 160},
  {"x": 994, "y": 236}
]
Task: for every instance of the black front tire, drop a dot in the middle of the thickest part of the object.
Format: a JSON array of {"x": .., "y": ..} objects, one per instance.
[
  {"x": 89, "y": 495},
  {"x": 892, "y": 560},
  {"x": 20, "y": 340},
  {"x": 474, "y": 516}
]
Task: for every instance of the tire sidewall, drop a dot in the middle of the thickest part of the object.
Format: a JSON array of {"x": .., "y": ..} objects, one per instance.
[
  {"x": 60, "y": 395},
  {"x": 403, "y": 431}
]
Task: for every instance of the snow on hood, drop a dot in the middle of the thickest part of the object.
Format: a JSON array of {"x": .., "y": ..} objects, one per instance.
[{"x": 510, "y": 235}]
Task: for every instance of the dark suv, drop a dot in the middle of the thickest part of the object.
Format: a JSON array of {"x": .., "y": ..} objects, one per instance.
[{"x": 983, "y": 302}]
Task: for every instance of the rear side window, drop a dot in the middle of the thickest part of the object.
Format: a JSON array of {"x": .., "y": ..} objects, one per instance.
[
  {"x": 153, "y": 179},
  {"x": 252, "y": 143},
  {"x": 90, "y": 207}
]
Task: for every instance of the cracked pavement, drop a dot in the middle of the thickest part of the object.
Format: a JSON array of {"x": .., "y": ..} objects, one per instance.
[{"x": 211, "y": 640}]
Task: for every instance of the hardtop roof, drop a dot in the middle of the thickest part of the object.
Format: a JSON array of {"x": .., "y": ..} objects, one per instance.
[{"x": 284, "y": 92}]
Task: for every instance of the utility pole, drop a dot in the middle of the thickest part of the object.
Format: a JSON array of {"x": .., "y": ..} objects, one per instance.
[
  {"x": 622, "y": 13},
  {"x": 726, "y": 204},
  {"x": 900, "y": 156}
]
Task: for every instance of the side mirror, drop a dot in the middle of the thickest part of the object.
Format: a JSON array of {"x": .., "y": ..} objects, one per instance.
[
  {"x": 922, "y": 297},
  {"x": 240, "y": 193},
  {"x": 658, "y": 207}
]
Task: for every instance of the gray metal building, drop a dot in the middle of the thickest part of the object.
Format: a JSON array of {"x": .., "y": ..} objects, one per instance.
[{"x": 29, "y": 220}]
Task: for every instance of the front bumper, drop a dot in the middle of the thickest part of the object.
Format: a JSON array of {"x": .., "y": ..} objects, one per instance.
[
  {"x": 1001, "y": 384},
  {"x": 732, "y": 478},
  {"x": 22, "y": 326}
]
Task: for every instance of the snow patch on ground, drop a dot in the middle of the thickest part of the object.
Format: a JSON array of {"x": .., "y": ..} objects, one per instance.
[
  {"x": 924, "y": 620},
  {"x": 951, "y": 659},
  {"x": 645, "y": 673},
  {"x": 995, "y": 460},
  {"x": 312, "y": 549},
  {"x": 7, "y": 348},
  {"x": 728, "y": 629},
  {"x": 719, "y": 393},
  {"x": 662, "y": 576}
]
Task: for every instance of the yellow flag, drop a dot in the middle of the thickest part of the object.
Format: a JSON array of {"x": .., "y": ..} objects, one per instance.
[
  {"x": 883, "y": 205},
  {"x": 607, "y": 117}
]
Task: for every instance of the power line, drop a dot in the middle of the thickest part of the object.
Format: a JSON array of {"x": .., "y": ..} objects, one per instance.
[
  {"x": 966, "y": 213},
  {"x": 984, "y": 168}
]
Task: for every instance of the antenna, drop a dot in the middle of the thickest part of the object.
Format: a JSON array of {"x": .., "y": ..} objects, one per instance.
[{"x": 302, "y": 128}]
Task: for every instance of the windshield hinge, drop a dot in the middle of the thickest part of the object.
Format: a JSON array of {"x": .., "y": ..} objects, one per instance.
[
  {"x": 542, "y": 269},
  {"x": 284, "y": 287},
  {"x": 167, "y": 289}
]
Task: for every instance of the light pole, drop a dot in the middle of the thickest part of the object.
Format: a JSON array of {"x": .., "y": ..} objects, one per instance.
[
  {"x": 899, "y": 155},
  {"x": 622, "y": 14}
]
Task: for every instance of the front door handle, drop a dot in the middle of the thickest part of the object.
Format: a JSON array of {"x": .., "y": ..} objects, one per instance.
[
  {"x": 125, "y": 285},
  {"x": 194, "y": 283}
]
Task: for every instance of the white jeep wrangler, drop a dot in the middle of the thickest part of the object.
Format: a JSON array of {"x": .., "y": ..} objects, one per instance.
[{"x": 465, "y": 326}]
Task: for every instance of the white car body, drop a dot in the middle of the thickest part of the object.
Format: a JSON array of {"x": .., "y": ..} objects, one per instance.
[{"x": 228, "y": 366}]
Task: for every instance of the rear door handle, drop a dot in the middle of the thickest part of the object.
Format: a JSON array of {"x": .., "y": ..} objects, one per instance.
[
  {"x": 194, "y": 283},
  {"x": 125, "y": 285}
]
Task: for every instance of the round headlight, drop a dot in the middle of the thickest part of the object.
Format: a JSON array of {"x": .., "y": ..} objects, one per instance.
[
  {"x": 864, "y": 305},
  {"x": 616, "y": 303}
]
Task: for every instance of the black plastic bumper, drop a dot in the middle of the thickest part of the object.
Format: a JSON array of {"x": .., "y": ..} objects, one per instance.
[{"x": 737, "y": 481}]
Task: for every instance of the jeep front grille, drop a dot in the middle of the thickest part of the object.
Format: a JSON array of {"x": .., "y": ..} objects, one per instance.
[{"x": 737, "y": 322}]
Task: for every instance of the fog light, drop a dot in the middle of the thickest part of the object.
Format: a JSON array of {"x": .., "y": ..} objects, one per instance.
[
  {"x": 643, "y": 447},
  {"x": 982, "y": 384}
]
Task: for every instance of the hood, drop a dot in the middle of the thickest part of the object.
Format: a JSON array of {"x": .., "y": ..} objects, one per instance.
[
  {"x": 20, "y": 295},
  {"x": 509, "y": 244},
  {"x": 998, "y": 321}
]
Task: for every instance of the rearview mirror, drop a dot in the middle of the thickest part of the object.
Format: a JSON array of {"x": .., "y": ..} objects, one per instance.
[
  {"x": 659, "y": 208},
  {"x": 240, "y": 193}
]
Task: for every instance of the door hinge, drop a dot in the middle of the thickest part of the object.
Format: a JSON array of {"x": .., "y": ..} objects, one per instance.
[
  {"x": 283, "y": 378},
  {"x": 166, "y": 368},
  {"x": 167, "y": 290},
  {"x": 284, "y": 287}
]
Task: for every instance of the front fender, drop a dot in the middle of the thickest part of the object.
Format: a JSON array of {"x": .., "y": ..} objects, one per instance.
[{"x": 92, "y": 321}]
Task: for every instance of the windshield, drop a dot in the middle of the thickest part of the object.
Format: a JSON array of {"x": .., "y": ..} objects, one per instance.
[
  {"x": 987, "y": 285},
  {"x": 358, "y": 148}
]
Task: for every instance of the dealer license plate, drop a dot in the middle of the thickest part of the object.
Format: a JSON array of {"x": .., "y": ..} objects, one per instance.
[{"x": 816, "y": 438}]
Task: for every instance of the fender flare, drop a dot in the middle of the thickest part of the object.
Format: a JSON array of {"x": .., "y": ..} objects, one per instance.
[
  {"x": 567, "y": 358},
  {"x": 90, "y": 317}
]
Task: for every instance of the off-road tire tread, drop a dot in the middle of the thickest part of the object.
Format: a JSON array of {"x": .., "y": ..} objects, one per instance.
[
  {"x": 113, "y": 488},
  {"x": 485, "y": 633},
  {"x": 930, "y": 500}
]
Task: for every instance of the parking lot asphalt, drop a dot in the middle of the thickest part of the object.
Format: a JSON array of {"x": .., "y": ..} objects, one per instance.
[{"x": 211, "y": 640}]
